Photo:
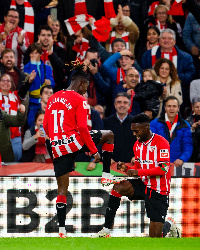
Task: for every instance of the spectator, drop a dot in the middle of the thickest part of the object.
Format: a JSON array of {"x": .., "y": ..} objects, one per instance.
[
  {"x": 125, "y": 28},
  {"x": 120, "y": 125},
  {"x": 191, "y": 39},
  {"x": 101, "y": 110},
  {"x": 35, "y": 145},
  {"x": 177, "y": 131},
  {"x": 43, "y": 77},
  {"x": 182, "y": 61},
  {"x": 13, "y": 37},
  {"x": 7, "y": 121},
  {"x": 58, "y": 36},
  {"x": 10, "y": 99},
  {"x": 194, "y": 120},
  {"x": 194, "y": 89},
  {"x": 152, "y": 39},
  {"x": 193, "y": 6},
  {"x": 167, "y": 74},
  {"x": 147, "y": 93},
  {"x": 129, "y": 85},
  {"x": 27, "y": 9},
  {"x": 52, "y": 55}
]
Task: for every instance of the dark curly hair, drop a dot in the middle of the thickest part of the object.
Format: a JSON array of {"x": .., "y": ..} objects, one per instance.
[{"x": 173, "y": 70}]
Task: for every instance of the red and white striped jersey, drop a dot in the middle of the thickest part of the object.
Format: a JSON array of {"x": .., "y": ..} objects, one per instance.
[
  {"x": 65, "y": 122},
  {"x": 148, "y": 159}
]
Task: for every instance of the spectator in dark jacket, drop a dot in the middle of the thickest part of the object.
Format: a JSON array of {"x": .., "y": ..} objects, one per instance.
[
  {"x": 182, "y": 61},
  {"x": 194, "y": 120}
]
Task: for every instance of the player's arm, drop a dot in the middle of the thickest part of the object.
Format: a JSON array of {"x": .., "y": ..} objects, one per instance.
[{"x": 81, "y": 118}]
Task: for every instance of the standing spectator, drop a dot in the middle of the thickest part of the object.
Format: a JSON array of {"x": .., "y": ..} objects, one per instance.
[
  {"x": 13, "y": 37},
  {"x": 191, "y": 39},
  {"x": 27, "y": 10},
  {"x": 167, "y": 74},
  {"x": 125, "y": 28},
  {"x": 10, "y": 99},
  {"x": 182, "y": 61},
  {"x": 35, "y": 143},
  {"x": 177, "y": 131},
  {"x": 194, "y": 120},
  {"x": 43, "y": 77},
  {"x": 120, "y": 124},
  {"x": 7, "y": 121}
]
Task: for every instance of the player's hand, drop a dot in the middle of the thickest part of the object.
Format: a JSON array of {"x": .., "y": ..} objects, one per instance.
[
  {"x": 97, "y": 157},
  {"x": 178, "y": 163},
  {"x": 38, "y": 134},
  {"x": 195, "y": 51},
  {"x": 132, "y": 172},
  {"x": 126, "y": 52},
  {"x": 21, "y": 109},
  {"x": 121, "y": 166}
]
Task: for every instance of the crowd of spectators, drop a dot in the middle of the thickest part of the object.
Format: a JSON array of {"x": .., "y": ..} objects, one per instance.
[{"x": 140, "y": 56}]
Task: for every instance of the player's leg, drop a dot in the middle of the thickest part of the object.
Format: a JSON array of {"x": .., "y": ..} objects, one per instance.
[
  {"x": 155, "y": 229},
  {"x": 122, "y": 189},
  {"x": 61, "y": 203}
]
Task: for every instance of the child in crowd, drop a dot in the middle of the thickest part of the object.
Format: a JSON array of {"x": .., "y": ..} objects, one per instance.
[
  {"x": 147, "y": 93},
  {"x": 36, "y": 145}
]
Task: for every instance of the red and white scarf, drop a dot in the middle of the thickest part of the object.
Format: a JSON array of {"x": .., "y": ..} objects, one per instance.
[
  {"x": 81, "y": 49},
  {"x": 45, "y": 57},
  {"x": 10, "y": 104},
  {"x": 171, "y": 126},
  {"x": 28, "y": 20},
  {"x": 159, "y": 25},
  {"x": 80, "y": 8},
  {"x": 121, "y": 75},
  {"x": 172, "y": 56},
  {"x": 124, "y": 36}
]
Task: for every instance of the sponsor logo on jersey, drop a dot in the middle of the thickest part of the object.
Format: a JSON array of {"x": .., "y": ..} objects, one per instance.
[
  {"x": 144, "y": 161},
  {"x": 164, "y": 153},
  {"x": 63, "y": 141}
]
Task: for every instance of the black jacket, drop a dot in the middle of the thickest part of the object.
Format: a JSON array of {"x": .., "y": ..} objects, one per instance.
[
  {"x": 147, "y": 94},
  {"x": 196, "y": 138}
]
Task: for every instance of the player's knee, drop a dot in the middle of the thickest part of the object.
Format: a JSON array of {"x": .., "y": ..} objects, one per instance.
[
  {"x": 123, "y": 188},
  {"x": 110, "y": 136}
]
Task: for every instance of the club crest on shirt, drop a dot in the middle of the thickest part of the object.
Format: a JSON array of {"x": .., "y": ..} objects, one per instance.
[
  {"x": 85, "y": 105},
  {"x": 164, "y": 153},
  {"x": 152, "y": 148}
]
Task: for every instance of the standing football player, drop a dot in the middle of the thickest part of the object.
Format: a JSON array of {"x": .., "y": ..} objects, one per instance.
[{"x": 66, "y": 124}]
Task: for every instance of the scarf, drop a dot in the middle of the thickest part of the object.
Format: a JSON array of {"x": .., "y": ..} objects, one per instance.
[
  {"x": 81, "y": 49},
  {"x": 10, "y": 104},
  {"x": 124, "y": 36},
  {"x": 170, "y": 126},
  {"x": 176, "y": 9},
  {"x": 159, "y": 25},
  {"x": 80, "y": 8},
  {"x": 45, "y": 57},
  {"x": 28, "y": 20},
  {"x": 172, "y": 56},
  {"x": 121, "y": 75}
]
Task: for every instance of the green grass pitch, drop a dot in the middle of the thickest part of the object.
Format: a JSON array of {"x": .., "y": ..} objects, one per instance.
[{"x": 99, "y": 244}]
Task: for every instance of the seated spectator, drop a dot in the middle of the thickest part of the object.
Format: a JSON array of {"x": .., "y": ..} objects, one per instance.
[
  {"x": 43, "y": 77},
  {"x": 129, "y": 85},
  {"x": 120, "y": 124},
  {"x": 7, "y": 121},
  {"x": 27, "y": 9},
  {"x": 191, "y": 39},
  {"x": 194, "y": 120},
  {"x": 13, "y": 37},
  {"x": 167, "y": 74},
  {"x": 125, "y": 28},
  {"x": 177, "y": 131},
  {"x": 58, "y": 36},
  {"x": 194, "y": 89},
  {"x": 147, "y": 93},
  {"x": 182, "y": 61},
  {"x": 152, "y": 39},
  {"x": 36, "y": 145},
  {"x": 101, "y": 110},
  {"x": 10, "y": 99}
]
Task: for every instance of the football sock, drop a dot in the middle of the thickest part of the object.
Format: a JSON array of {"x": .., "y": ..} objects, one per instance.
[
  {"x": 107, "y": 151},
  {"x": 113, "y": 205},
  {"x": 61, "y": 209},
  {"x": 166, "y": 228}
]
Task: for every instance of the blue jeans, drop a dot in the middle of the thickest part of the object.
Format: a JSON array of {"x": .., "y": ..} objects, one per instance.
[{"x": 17, "y": 147}]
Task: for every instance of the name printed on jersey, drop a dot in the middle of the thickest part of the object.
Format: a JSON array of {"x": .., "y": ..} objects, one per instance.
[
  {"x": 61, "y": 100},
  {"x": 144, "y": 161}
]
